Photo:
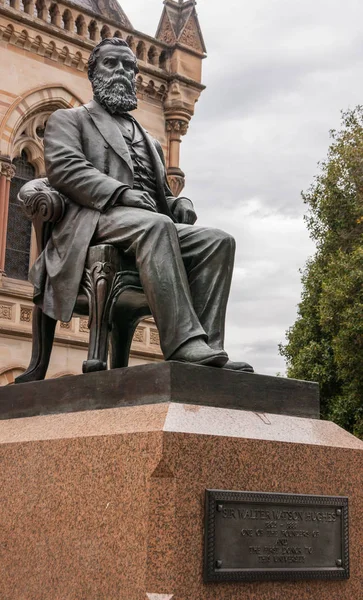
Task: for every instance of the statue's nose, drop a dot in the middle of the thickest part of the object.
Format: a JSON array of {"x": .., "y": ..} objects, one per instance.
[{"x": 120, "y": 68}]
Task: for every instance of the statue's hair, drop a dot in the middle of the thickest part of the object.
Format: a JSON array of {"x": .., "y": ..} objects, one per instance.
[{"x": 92, "y": 61}]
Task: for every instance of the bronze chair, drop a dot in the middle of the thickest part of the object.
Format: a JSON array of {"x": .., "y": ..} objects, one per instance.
[{"x": 110, "y": 293}]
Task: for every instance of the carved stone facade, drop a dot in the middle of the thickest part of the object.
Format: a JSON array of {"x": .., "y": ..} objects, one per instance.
[{"x": 45, "y": 46}]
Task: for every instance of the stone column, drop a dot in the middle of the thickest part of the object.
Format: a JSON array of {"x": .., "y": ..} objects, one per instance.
[
  {"x": 176, "y": 126},
  {"x": 7, "y": 172}
]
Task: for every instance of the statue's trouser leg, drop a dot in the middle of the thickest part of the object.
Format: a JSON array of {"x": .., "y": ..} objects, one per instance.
[
  {"x": 208, "y": 255},
  {"x": 153, "y": 239}
]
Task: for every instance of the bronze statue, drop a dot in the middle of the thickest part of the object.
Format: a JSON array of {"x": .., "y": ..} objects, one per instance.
[{"x": 113, "y": 175}]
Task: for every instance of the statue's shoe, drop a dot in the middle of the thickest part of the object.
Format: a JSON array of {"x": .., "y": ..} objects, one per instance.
[
  {"x": 233, "y": 365},
  {"x": 199, "y": 353}
]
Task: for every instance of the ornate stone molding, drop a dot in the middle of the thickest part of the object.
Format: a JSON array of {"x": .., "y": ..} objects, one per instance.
[
  {"x": 179, "y": 24},
  {"x": 177, "y": 126},
  {"x": 166, "y": 33},
  {"x": 139, "y": 335},
  {"x": 83, "y": 326},
  {"x": 7, "y": 170},
  {"x": 6, "y": 311},
  {"x": 151, "y": 88},
  {"x": 154, "y": 337},
  {"x": 26, "y": 314},
  {"x": 177, "y": 123},
  {"x": 191, "y": 35},
  {"x": 176, "y": 180},
  {"x": 60, "y": 45}
]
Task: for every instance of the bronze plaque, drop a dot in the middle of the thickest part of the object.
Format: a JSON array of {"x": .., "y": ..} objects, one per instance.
[{"x": 251, "y": 536}]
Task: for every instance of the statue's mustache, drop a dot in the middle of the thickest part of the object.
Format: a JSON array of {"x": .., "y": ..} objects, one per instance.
[{"x": 109, "y": 82}]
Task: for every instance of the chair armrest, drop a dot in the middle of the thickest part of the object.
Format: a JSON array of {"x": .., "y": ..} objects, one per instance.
[{"x": 42, "y": 202}]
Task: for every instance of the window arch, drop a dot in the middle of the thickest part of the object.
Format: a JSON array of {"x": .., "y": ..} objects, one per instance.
[
  {"x": 81, "y": 26},
  {"x": 131, "y": 42},
  {"x": 141, "y": 51},
  {"x": 27, "y": 6},
  {"x": 19, "y": 228},
  {"x": 163, "y": 59},
  {"x": 68, "y": 23},
  {"x": 105, "y": 32},
  {"x": 41, "y": 10},
  {"x": 55, "y": 16},
  {"x": 152, "y": 56},
  {"x": 93, "y": 31}
]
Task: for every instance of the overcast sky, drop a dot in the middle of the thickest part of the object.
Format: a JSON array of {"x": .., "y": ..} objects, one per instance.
[{"x": 278, "y": 73}]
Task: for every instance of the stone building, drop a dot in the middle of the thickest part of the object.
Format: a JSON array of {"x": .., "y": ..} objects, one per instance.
[{"x": 44, "y": 48}]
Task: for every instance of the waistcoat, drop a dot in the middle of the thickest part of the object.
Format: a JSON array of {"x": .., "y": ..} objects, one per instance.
[{"x": 144, "y": 178}]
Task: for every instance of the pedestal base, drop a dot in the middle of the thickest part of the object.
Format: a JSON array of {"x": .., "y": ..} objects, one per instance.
[{"x": 109, "y": 504}]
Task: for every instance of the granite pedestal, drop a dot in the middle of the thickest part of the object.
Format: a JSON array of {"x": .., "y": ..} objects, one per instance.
[{"x": 106, "y": 504}]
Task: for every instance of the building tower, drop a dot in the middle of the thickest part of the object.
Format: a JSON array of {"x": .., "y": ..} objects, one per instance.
[{"x": 44, "y": 46}]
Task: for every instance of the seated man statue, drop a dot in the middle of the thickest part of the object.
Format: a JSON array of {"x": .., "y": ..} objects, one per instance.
[{"x": 113, "y": 174}]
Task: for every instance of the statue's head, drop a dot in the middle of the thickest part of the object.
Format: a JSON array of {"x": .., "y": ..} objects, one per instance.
[{"x": 112, "y": 69}]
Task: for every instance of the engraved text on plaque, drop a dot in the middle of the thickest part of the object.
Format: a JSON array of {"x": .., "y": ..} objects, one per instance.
[{"x": 255, "y": 536}]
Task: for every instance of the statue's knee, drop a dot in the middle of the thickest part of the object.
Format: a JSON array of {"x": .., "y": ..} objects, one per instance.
[
  {"x": 158, "y": 222},
  {"x": 224, "y": 238}
]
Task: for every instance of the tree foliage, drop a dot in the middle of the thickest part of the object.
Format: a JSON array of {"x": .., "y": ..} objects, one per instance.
[{"x": 326, "y": 342}]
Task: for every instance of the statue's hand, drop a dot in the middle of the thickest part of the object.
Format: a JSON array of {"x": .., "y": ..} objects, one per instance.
[
  {"x": 137, "y": 199},
  {"x": 184, "y": 212}
]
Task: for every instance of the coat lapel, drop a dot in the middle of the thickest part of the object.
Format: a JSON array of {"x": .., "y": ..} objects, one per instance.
[
  {"x": 159, "y": 172},
  {"x": 109, "y": 131}
]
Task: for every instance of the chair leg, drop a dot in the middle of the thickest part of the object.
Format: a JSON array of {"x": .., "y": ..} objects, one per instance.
[
  {"x": 121, "y": 339},
  {"x": 99, "y": 285},
  {"x": 43, "y": 328},
  {"x": 124, "y": 323}
]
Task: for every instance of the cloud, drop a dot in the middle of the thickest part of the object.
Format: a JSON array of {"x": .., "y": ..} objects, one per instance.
[{"x": 277, "y": 75}]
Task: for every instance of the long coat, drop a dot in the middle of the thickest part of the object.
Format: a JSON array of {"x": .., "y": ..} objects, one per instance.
[{"x": 87, "y": 160}]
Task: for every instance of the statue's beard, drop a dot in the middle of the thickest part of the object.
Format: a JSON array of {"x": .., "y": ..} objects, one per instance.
[{"x": 116, "y": 94}]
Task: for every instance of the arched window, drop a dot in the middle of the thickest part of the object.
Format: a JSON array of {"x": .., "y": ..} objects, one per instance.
[
  {"x": 93, "y": 31},
  {"x": 55, "y": 16},
  {"x": 28, "y": 6},
  {"x": 105, "y": 32},
  {"x": 19, "y": 228},
  {"x": 152, "y": 56},
  {"x": 41, "y": 10},
  {"x": 131, "y": 42},
  {"x": 68, "y": 23},
  {"x": 141, "y": 51},
  {"x": 81, "y": 26},
  {"x": 163, "y": 59}
]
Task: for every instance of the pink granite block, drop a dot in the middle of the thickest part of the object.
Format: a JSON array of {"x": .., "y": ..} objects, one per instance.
[{"x": 109, "y": 504}]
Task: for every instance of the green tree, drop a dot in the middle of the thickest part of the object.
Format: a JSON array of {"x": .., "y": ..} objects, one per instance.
[{"x": 326, "y": 342}]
